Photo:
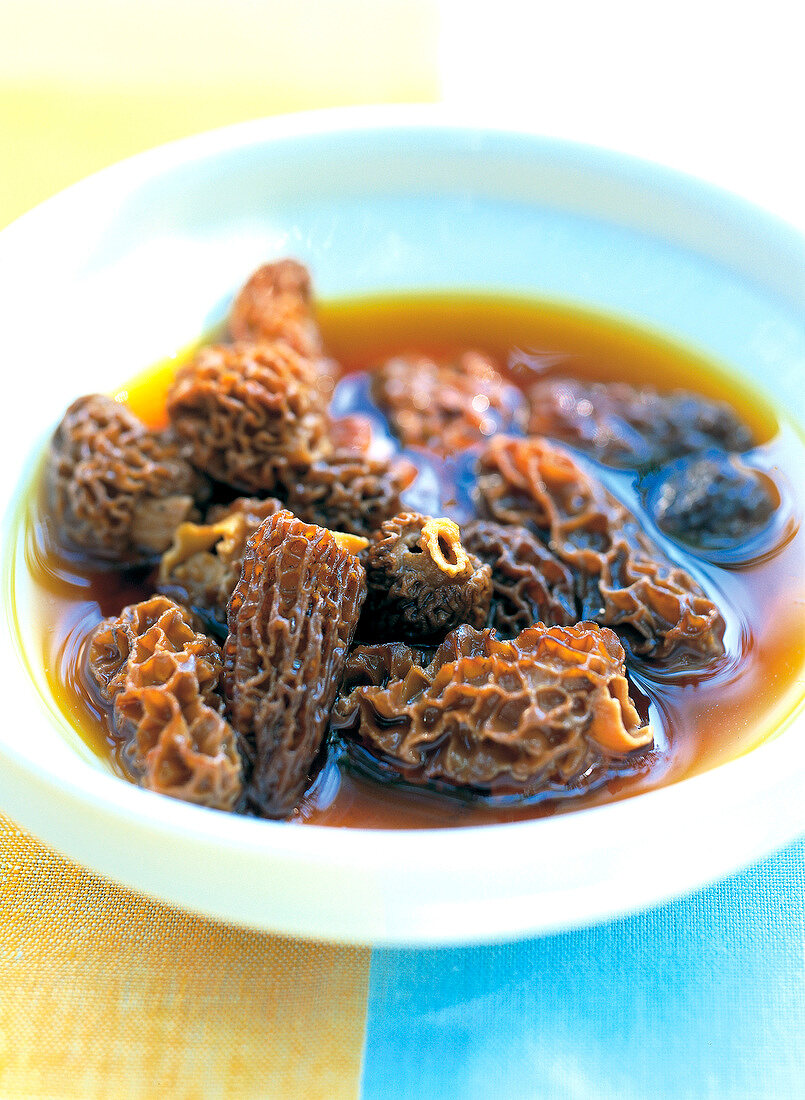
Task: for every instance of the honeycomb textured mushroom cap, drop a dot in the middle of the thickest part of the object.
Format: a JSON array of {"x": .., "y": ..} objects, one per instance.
[
  {"x": 115, "y": 489},
  {"x": 446, "y": 406},
  {"x": 249, "y": 410},
  {"x": 159, "y": 677},
  {"x": 529, "y": 583},
  {"x": 632, "y": 426},
  {"x": 712, "y": 501},
  {"x": 292, "y": 618},
  {"x": 348, "y": 492},
  {"x": 276, "y": 303},
  {"x": 421, "y": 581},
  {"x": 624, "y": 579},
  {"x": 541, "y": 711}
]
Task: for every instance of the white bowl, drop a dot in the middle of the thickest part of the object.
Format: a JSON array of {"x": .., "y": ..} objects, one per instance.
[{"x": 136, "y": 262}]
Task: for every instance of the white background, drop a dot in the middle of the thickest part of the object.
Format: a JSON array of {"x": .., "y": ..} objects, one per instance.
[{"x": 712, "y": 88}]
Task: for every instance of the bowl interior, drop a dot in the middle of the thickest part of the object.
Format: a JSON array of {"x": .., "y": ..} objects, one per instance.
[{"x": 139, "y": 261}]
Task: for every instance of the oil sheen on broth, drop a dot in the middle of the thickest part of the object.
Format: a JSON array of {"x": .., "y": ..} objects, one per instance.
[{"x": 700, "y": 719}]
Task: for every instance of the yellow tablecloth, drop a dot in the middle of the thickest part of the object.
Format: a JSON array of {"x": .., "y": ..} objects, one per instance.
[{"x": 105, "y": 993}]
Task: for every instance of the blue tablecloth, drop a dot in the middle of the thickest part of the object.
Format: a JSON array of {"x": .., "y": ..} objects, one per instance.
[{"x": 704, "y": 997}]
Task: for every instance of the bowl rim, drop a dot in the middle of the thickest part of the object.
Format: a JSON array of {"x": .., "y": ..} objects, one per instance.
[
  {"x": 734, "y": 787},
  {"x": 403, "y": 117}
]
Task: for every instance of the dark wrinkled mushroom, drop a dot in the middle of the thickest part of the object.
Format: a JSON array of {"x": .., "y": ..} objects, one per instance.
[
  {"x": 538, "y": 712},
  {"x": 276, "y": 303},
  {"x": 529, "y": 583},
  {"x": 625, "y": 580},
  {"x": 249, "y": 411},
  {"x": 158, "y": 677},
  {"x": 292, "y": 618},
  {"x": 421, "y": 581},
  {"x": 348, "y": 491},
  {"x": 115, "y": 489},
  {"x": 632, "y": 426},
  {"x": 712, "y": 501},
  {"x": 446, "y": 406}
]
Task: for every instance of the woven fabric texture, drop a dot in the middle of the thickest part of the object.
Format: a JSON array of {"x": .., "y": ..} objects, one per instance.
[
  {"x": 106, "y": 993},
  {"x": 703, "y": 998}
]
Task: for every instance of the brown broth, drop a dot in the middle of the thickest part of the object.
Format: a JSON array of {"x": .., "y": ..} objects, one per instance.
[{"x": 700, "y": 720}]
